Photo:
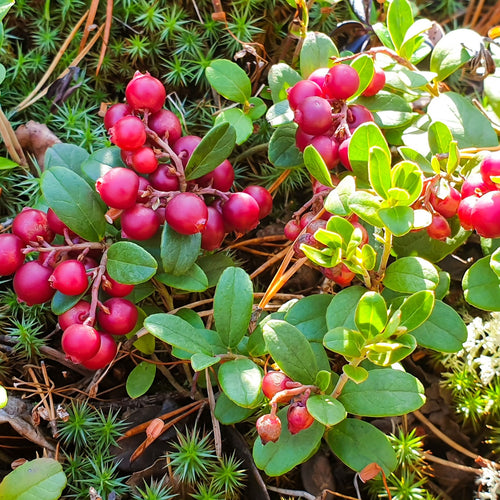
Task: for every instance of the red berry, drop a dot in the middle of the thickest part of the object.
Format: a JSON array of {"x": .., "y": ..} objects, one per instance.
[
  {"x": 301, "y": 90},
  {"x": 145, "y": 92},
  {"x": 241, "y": 212},
  {"x": 118, "y": 187},
  {"x": 318, "y": 76},
  {"x": 140, "y": 222},
  {"x": 292, "y": 229},
  {"x": 377, "y": 83},
  {"x": 31, "y": 224},
  {"x": 114, "y": 288},
  {"x": 339, "y": 274},
  {"x": 344, "y": 153},
  {"x": 163, "y": 179},
  {"x": 186, "y": 213},
  {"x": 302, "y": 140},
  {"x": 491, "y": 168},
  {"x": 358, "y": 115},
  {"x": 76, "y": 315},
  {"x": 305, "y": 239},
  {"x": 11, "y": 255},
  {"x": 185, "y": 146},
  {"x": 69, "y": 277},
  {"x": 166, "y": 125},
  {"x": 128, "y": 133},
  {"x": 31, "y": 283},
  {"x": 306, "y": 219},
  {"x": 268, "y": 428},
  {"x": 474, "y": 185},
  {"x": 115, "y": 113},
  {"x": 298, "y": 418},
  {"x": 465, "y": 211},
  {"x": 341, "y": 82},
  {"x": 485, "y": 215},
  {"x": 263, "y": 198},
  {"x": 328, "y": 149},
  {"x": 448, "y": 206},
  {"x": 221, "y": 178},
  {"x": 56, "y": 225},
  {"x": 439, "y": 229},
  {"x": 143, "y": 160},
  {"x": 213, "y": 234},
  {"x": 314, "y": 115},
  {"x": 274, "y": 382},
  {"x": 105, "y": 354},
  {"x": 80, "y": 342},
  {"x": 121, "y": 318}
]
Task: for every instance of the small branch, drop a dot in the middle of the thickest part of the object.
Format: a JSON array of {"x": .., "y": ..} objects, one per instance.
[
  {"x": 215, "y": 422},
  {"x": 448, "y": 463},
  {"x": 291, "y": 493}
]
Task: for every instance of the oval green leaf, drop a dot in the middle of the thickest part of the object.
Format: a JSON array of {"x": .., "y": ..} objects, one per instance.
[
  {"x": 140, "y": 379},
  {"x": 100, "y": 162},
  {"x": 178, "y": 252},
  {"x": 229, "y": 80},
  {"x": 416, "y": 309},
  {"x": 316, "y": 166},
  {"x": 129, "y": 263},
  {"x": 241, "y": 381},
  {"x": 228, "y": 413},
  {"x": 325, "y": 409},
  {"x": 193, "y": 280},
  {"x": 65, "y": 155},
  {"x": 410, "y": 275},
  {"x": 481, "y": 286},
  {"x": 342, "y": 308},
  {"x": 316, "y": 52},
  {"x": 371, "y": 314},
  {"x": 239, "y": 121}
]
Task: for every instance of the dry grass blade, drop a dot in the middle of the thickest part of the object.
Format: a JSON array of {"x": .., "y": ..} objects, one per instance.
[
  {"x": 88, "y": 25},
  {"x": 11, "y": 142},
  {"x": 105, "y": 37}
]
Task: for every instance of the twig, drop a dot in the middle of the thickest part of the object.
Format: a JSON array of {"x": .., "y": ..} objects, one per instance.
[
  {"x": 215, "y": 422},
  {"x": 292, "y": 493},
  {"x": 448, "y": 463}
]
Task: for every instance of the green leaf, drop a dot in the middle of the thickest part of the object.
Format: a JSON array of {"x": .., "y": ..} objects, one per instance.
[
  {"x": 453, "y": 158},
  {"x": 229, "y": 80},
  {"x": 325, "y": 409},
  {"x": 100, "y": 162},
  {"x": 280, "y": 114},
  {"x": 213, "y": 266},
  {"x": 233, "y": 304},
  {"x": 283, "y": 153},
  {"x": 178, "y": 251},
  {"x": 408, "y": 176},
  {"x": 389, "y": 110},
  {"x": 379, "y": 171},
  {"x": 213, "y": 149},
  {"x": 355, "y": 373},
  {"x": 177, "y": 332},
  {"x": 316, "y": 52},
  {"x": 411, "y": 274},
  {"x": 440, "y": 137},
  {"x": 3, "y": 397},
  {"x": 365, "y": 68},
  {"x": 276, "y": 459},
  {"x": 416, "y": 309},
  {"x": 343, "y": 341},
  {"x": 399, "y": 220},
  {"x": 386, "y": 392},
  {"x": 337, "y": 201},
  {"x": 74, "y": 202},
  {"x": 412, "y": 36},
  {"x": 470, "y": 128},
  {"x": 371, "y": 314},
  {"x": 291, "y": 351},
  {"x": 65, "y": 155},
  {"x": 140, "y": 379},
  {"x": 241, "y": 123},
  {"x": 481, "y": 286},
  {"x": 411, "y": 155},
  {"x": 6, "y": 164},
  {"x": 359, "y": 444},
  {"x": 341, "y": 311},
  {"x": 444, "y": 330},
  {"x": 42, "y": 479},
  {"x": 280, "y": 78},
  {"x": 129, "y": 263},
  {"x": 365, "y": 137},
  {"x": 193, "y": 280},
  {"x": 257, "y": 108},
  {"x": 386, "y": 353},
  {"x": 366, "y": 206},
  {"x": 399, "y": 21},
  {"x": 316, "y": 166},
  {"x": 60, "y": 303},
  {"x": 495, "y": 262},
  {"x": 241, "y": 381},
  {"x": 200, "y": 361},
  {"x": 454, "y": 50},
  {"x": 228, "y": 413},
  {"x": 309, "y": 316}
]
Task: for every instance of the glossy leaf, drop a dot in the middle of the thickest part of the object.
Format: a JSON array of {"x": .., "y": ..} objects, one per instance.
[
  {"x": 340, "y": 312},
  {"x": 213, "y": 266},
  {"x": 495, "y": 262},
  {"x": 365, "y": 68},
  {"x": 399, "y": 20},
  {"x": 325, "y": 409},
  {"x": 416, "y": 309},
  {"x": 65, "y": 155},
  {"x": 412, "y": 36},
  {"x": 281, "y": 77},
  {"x": 233, "y": 303},
  {"x": 256, "y": 109},
  {"x": 100, "y": 162},
  {"x": 229, "y": 80},
  {"x": 316, "y": 166},
  {"x": 443, "y": 331},
  {"x": 343, "y": 341},
  {"x": 283, "y": 153},
  {"x": 316, "y": 52},
  {"x": 60, "y": 303},
  {"x": 387, "y": 353},
  {"x": 367, "y": 207},
  {"x": 140, "y": 379},
  {"x": 379, "y": 171},
  {"x": 276, "y": 459},
  {"x": 228, "y": 413},
  {"x": 399, "y": 220},
  {"x": 411, "y": 274},
  {"x": 280, "y": 114},
  {"x": 358, "y": 444},
  {"x": 41, "y": 478},
  {"x": 239, "y": 121},
  {"x": 213, "y": 149},
  {"x": 386, "y": 392},
  {"x": 193, "y": 280},
  {"x": 178, "y": 251},
  {"x": 481, "y": 286},
  {"x": 440, "y": 137},
  {"x": 371, "y": 314},
  {"x": 389, "y": 110},
  {"x": 75, "y": 202},
  {"x": 291, "y": 351},
  {"x": 177, "y": 332},
  {"x": 408, "y": 176},
  {"x": 129, "y": 263},
  {"x": 241, "y": 381},
  {"x": 337, "y": 201},
  {"x": 357, "y": 374}
]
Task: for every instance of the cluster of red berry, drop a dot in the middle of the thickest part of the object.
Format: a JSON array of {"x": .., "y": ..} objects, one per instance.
[
  {"x": 71, "y": 269},
  {"x": 324, "y": 119},
  {"x": 154, "y": 188},
  {"x": 280, "y": 388}
]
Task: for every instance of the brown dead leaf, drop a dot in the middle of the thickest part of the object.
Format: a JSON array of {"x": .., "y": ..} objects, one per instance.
[{"x": 35, "y": 138}]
